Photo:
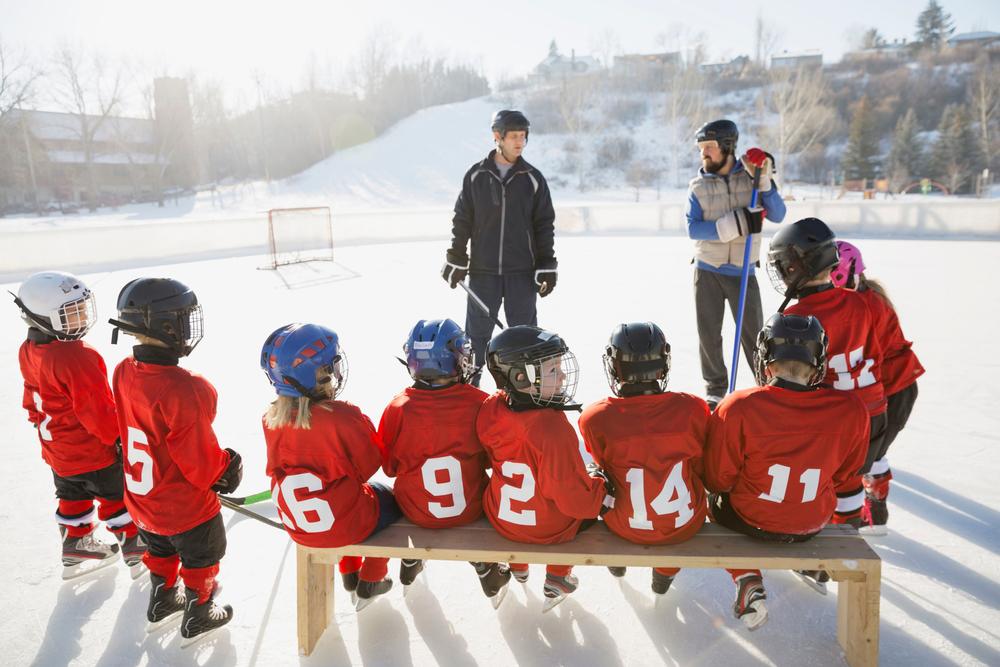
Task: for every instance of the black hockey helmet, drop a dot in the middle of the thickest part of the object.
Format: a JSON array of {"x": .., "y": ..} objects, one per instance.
[
  {"x": 722, "y": 131},
  {"x": 791, "y": 338},
  {"x": 161, "y": 308},
  {"x": 508, "y": 120},
  {"x": 533, "y": 366},
  {"x": 637, "y": 359},
  {"x": 799, "y": 252}
]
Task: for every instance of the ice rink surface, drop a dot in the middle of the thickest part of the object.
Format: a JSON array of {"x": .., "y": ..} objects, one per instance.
[{"x": 941, "y": 576}]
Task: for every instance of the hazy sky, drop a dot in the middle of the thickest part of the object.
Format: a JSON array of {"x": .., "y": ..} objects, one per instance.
[{"x": 229, "y": 39}]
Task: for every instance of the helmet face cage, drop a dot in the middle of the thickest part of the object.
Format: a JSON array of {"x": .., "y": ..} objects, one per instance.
[
  {"x": 58, "y": 303},
  {"x": 75, "y": 318},
  {"x": 777, "y": 268},
  {"x": 190, "y": 329},
  {"x": 336, "y": 373},
  {"x": 552, "y": 380}
]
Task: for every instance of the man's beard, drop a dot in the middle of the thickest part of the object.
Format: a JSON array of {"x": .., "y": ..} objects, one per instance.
[{"x": 713, "y": 167}]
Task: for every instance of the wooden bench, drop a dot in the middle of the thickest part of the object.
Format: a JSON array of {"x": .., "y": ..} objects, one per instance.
[{"x": 838, "y": 550}]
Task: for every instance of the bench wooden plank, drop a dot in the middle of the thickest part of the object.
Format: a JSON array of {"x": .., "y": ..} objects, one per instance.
[{"x": 858, "y": 616}]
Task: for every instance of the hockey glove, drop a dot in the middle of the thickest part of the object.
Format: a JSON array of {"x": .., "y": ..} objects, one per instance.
[
  {"x": 118, "y": 449},
  {"x": 455, "y": 268},
  {"x": 755, "y": 157},
  {"x": 739, "y": 222},
  {"x": 232, "y": 476},
  {"x": 609, "y": 488},
  {"x": 545, "y": 276}
]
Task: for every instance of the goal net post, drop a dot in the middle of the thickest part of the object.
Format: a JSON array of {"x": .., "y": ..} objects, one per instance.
[{"x": 299, "y": 235}]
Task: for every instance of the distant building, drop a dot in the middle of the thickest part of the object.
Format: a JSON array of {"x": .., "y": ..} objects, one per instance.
[
  {"x": 647, "y": 66},
  {"x": 734, "y": 67},
  {"x": 982, "y": 38},
  {"x": 557, "y": 66},
  {"x": 897, "y": 50},
  {"x": 129, "y": 158},
  {"x": 812, "y": 58}
]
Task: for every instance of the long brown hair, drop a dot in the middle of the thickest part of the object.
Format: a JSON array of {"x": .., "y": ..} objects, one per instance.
[{"x": 875, "y": 286}]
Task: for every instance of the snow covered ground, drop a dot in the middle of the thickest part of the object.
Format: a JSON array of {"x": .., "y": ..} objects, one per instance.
[{"x": 941, "y": 576}]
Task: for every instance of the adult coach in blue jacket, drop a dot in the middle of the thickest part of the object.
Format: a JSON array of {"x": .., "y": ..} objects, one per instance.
[
  {"x": 505, "y": 209},
  {"x": 719, "y": 220}
]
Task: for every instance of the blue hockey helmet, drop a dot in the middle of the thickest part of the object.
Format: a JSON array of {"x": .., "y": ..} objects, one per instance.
[
  {"x": 438, "y": 349},
  {"x": 292, "y": 355}
]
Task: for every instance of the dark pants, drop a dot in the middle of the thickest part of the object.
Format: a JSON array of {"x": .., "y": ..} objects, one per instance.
[
  {"x": 876, "y": 441},
  {"x": 202, "y": 546},
  {"x": 722, "y": 513},
  {"x": 897, "y": 414},
  {"x": 76, "y": 494},
  {"x": 388, "y": 509},
  {"x": 711, "y": 293},
  {"x": 518, "y": 293},
  {"x": 107, "y": 483}
]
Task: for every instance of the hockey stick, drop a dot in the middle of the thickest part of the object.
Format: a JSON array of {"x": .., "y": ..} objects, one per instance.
[
  {"x": 479, "y": 302},
  {"x": 240, "y": 509},
  {"x": 248, "y": 500},
  {"x": 744, "y": 279}
]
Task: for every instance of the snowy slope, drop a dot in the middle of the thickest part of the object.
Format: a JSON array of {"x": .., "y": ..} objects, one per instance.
[{"x": 941, "y": 576}]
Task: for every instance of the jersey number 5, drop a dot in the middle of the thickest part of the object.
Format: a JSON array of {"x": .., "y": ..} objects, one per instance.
[{"x": 137, "y": 453}]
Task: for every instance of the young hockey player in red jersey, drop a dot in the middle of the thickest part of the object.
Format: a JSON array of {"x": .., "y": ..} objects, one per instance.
[
  {"x": 67, "y": 397},
  {"x": 540, "y": 492},
  {"x": 428, "y": 433},
  {"x": 173, "y": 463},
  {"x": 649, "y": 441},
  {"x": 777, "y": 453},
  {"x": 900, "y": 370},
  {"x": 800, "y": 260},
  {"x": 321, "y": 452}
]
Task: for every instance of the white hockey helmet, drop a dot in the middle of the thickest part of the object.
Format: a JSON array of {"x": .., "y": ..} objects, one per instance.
[{"x": 58, "y": 303}]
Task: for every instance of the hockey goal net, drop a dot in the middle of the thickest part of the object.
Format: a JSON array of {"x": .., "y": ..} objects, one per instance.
[{"x": 299, "y": 235}]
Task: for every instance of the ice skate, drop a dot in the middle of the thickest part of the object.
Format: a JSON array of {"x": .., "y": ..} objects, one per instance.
[
  {"x": 815, "y": 579},
  {"x": 661, "y": 583},
  {"x": 350, "y": 580},
  {"x": 557, "y": 588},
  {"x": 202, "y": 620},
  {"x": 520, "y": 576},
  {"x": 875, "y": 515},
  {"x": 749, "y": 606},
  {"x": 618, "y": 572},
  {"x": 83, "y": 555},
  {"x": 369, "y": 591},
  {"x": 493, "y": 577},
  {"x": 133, "y": 549},
  {"x": 165, "y": 604},
  {"x": 409, "y": 570}
]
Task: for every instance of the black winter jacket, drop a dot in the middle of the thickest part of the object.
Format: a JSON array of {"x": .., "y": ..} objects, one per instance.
[{"x": 510, "y": 221}]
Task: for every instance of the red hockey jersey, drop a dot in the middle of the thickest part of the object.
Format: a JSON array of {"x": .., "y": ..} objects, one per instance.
[
  {"x": 68, "y": 399},
  {"x": 900, "y": 366},
  {"x": 171, "y": 456},
  {"x": 431, "y": 448},
  {"x": 781, "y": 453},
  {"x": 540, "y": 490},
  {"x": 319, "y": 475},
  {"x": 651, "y": 446},
  {"x": 854, "y": 355}
]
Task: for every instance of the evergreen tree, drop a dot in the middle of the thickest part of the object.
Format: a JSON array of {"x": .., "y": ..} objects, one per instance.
[
  {"x": 956, "y": 157},
  {"x": 861, "y": 157},
  {"x": 934, "y": 26},
  {"x": 906, "y": 160},
  {"x": 553, "y": 49}
]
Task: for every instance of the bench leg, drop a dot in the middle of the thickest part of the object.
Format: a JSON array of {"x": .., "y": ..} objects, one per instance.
[
  {"x": 314, "y": 599},
  {"x": 858, "y": 617}
]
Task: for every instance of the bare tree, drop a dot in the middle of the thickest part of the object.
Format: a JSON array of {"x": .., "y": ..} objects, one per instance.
[
  {"x": 574, "y": 101},
  {"x": 373, "y": 60},
  {"x": 606, "y": 45},
  {"x": 794, "y": 111},
  {"x": 984, "y": 93},
  {"x": 765, "y": 40},
  {"x": 686, "y": 109},
  {"x": 90, "y": 89},
  {"x": 17, "y": 80}
]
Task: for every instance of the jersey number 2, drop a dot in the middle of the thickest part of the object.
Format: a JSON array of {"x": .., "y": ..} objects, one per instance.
[{"x": 522, "y": 493}]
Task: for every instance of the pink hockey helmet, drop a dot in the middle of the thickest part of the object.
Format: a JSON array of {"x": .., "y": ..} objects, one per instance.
[{"x": 850, "y": 266}]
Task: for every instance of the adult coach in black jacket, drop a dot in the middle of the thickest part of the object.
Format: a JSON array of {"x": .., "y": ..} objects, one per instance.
[{"x": 506, "y": 210}]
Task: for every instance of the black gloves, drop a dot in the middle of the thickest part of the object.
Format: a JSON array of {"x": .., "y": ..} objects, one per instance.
[
  {"x": 118, "y": 449},
  {"x": 754, "y": 219},
  {"x": 609, "y": 488},
  {"x": 545, "y": 276},
  {"x": 740, "y": 222},
  {"x": 232, "y": 476},
  {"x": 455, "y": 268}
]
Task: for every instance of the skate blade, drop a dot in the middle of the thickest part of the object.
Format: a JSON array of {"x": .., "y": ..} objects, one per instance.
[
  {"x": 354, "y": 599},
  {"x": 187, "y": 642},
  {"x": 497, "y": 599},
  {"x": 86, "y": 567},
  {"x": 363, "y": 603},
  {"x": 137, "y": 570},
  {"x": 551, "y": 603},
  {"x": 818, "y": 586},
  {"x": 164, "y": 622},
  {"x": 755, "y": 619},
  {"x": 873, "y": 531}
]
